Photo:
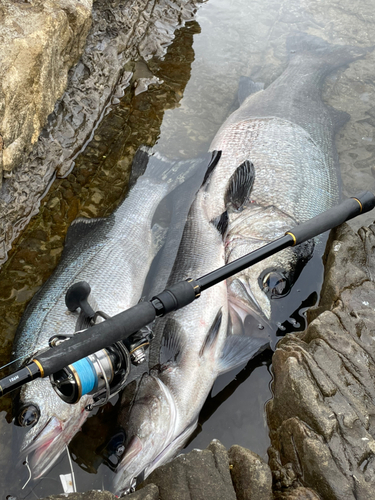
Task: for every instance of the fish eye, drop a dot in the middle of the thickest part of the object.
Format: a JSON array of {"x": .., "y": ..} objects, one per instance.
[
  {"x": 28, "y": 416},
  {"x": 275, "y": 284}
]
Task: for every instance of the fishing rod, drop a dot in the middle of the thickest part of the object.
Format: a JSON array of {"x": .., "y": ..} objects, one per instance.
[{"x": 97, "y": 360}]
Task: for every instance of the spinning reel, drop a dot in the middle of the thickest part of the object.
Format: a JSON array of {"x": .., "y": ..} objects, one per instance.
[{"x": 102, "y": 374}]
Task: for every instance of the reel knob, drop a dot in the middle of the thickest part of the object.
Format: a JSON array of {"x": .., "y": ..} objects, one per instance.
[{"x": 77, "y": 296}]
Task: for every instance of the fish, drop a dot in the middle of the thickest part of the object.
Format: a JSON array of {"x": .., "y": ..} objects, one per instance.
[
  {"x": 113, "y": 255},
  {"x": 193, "y": 350},
  {"x": 278, "y": 168}
]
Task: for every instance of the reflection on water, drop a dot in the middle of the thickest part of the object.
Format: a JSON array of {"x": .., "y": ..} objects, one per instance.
[{"x": 237, "y": 38}]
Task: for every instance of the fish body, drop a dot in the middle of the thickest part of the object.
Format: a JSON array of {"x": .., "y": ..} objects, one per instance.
[
  {"x": 113, "y": 255},
  {"x": 286, "y": 133},
  {"x": 194, "y": 349}
]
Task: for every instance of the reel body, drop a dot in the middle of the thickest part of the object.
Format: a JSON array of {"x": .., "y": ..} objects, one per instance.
[{"x": 102, "y": 374}]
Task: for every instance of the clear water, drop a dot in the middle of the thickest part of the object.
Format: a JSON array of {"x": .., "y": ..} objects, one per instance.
[{"x": 231, "y": 38}]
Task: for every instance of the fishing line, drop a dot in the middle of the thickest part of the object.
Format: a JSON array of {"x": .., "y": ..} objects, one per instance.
[
  {"x": 72, "y": 471},
  {"x": 26, "y": 462},
  {"x": 18, "y": 359}
]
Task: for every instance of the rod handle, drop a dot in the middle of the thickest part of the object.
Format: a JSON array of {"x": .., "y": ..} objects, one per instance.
[{"x": 333, "y": 217}]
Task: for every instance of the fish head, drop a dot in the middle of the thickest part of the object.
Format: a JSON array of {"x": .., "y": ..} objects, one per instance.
[
  {"x": 253, "y": 290},
  {"x": 149, "y": 425},
  {"x": 50, "y": 424}
]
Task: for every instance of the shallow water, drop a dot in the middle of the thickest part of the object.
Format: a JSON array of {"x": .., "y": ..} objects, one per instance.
[{"x": 231, "y": 38}]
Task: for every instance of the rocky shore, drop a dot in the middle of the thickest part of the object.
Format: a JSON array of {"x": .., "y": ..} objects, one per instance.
[{"x": 41, "y": 137}]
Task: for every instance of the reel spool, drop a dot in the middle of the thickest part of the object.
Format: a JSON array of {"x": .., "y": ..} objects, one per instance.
[{"x": 102, "y": 375}]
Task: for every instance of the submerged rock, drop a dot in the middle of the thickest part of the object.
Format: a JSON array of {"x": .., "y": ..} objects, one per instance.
[
  {"x": 120, "y": 32},
  {"x": 321, "y": 418}
]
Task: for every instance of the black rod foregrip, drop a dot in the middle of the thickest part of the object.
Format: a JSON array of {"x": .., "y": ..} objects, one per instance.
[
  {"x": 333, "y": 217},
  {"x": 95, "y": 338}
]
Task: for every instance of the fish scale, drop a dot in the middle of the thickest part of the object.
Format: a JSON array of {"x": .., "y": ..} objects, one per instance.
[{"x": 281, "y": 152}]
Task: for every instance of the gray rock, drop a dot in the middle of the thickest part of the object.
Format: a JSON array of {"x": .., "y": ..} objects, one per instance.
[
  {"x": 149, "y": 492},
  {"x": 298, "y": 494},
  {"x": 39, "y": 42},
  {"x": 322, "y": 415},
  {"x": 199, "y": 475},
  {"x": 88, "y": 495},
  {"x": 251, "y": 476}
]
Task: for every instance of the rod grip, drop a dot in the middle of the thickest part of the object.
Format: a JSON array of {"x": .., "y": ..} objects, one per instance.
[
  {"x": 178, "y": 295},
  {"x": 333, "y": 217}
]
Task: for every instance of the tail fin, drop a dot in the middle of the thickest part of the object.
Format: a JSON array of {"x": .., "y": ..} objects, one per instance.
[{"x": 326, "y": 54}]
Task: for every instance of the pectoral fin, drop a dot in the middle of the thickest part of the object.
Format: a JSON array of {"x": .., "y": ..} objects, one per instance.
[
  {"x": 240, "y": 185},
  {"x": 239, "y": 349},
  {"x": 171, "y": 345}
]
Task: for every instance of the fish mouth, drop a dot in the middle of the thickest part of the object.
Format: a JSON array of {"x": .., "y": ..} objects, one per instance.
[
  {"x": 133, "y": 449},
  {"x": 243, "y": 304},
  {"x": 47, "y": 446}
]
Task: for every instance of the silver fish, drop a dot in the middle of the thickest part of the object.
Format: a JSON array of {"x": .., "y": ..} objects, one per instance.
[
  {"x": 194, "y": 350},
  {"x": 113, "y": 255},
  {"x": 278, "y": 168}
]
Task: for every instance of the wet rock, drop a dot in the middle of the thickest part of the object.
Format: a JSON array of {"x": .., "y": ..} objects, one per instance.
[
  {"x": 149, "y": 492},
  {"x": 199, "y": 475},
  {"x": 39, "y": 42},
  {"x": 321, "y": 418},
  {"x": 251, "y": 476},
  {"x": 120, "y": 32},
  {"x": 297, "y": 494},
  {"x": 88, "y": 495}
]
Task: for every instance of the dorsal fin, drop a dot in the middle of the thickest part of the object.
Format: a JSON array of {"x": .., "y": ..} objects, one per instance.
[
  {"x": 240, "y": 185},
  {"x": 81, "y": 228},
  {"x": 171, "y": 345},
  {"x": 212, "y": 333}
]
